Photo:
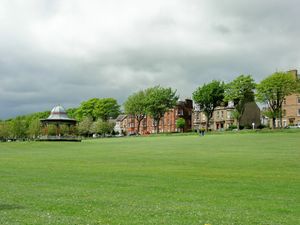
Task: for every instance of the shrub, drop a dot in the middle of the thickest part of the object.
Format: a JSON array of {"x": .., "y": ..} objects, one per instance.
[
  {"x": 261, "y": 126},
  {"x": 231, "y": 127}
]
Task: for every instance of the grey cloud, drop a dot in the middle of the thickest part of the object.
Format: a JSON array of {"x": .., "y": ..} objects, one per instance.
[{"x": 55, "y": 52}]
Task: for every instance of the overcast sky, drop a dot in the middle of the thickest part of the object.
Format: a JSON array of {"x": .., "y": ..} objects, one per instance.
[{"x": 67, "y": 51}]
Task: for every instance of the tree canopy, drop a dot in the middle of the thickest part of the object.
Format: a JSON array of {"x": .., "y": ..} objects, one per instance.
[
  {"x": 180, "y": 123},
  {"x": 208, "y": 97},
  {"x": 98, "y": 108},
  {"x": 102, "y": 127},
  {"x": 136, "y": 105},
  {"x": 240, "y": 91},
  {"x": 159, "y": 100},
  {"x": 273, "y": 90}
]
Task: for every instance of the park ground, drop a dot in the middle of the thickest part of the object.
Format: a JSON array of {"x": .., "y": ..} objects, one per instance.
[{"x": 226, "y": 179}]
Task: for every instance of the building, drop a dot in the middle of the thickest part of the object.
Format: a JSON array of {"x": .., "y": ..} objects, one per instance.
[
  {"x": 223, "y": 117},
  {"x": 291, "y": 107},
  {"x": 59, "y": 119},
  {"x": 121, "y": 124},
  {"x": 183, "y": 109}
]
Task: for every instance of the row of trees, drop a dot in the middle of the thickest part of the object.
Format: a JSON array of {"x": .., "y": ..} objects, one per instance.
[
  {"x": 154, "y": 101},
  {"x": 96, "y": 111},
  {"x": 93, "y": 115},
  {"x": 271, "y": 91}
]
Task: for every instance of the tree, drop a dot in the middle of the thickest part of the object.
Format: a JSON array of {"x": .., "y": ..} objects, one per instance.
[
  {"x": 18, "y": 128},
  {"x": 34, "y": 129},
  {"x": 84, "y": 126},
  {"x": 180, "y": 123},
  {"x": 136, "y": 105},
  {"x": 72, "y": 112},
  {"x": 96, "y": 108},
  {"x": 107, "y": 108},
  {"x": 102, "y": 127},
  {"x": 240, "y": 91},
  {"x": 4, "y": 130},
  {"x": 159, "y": 100},
  {"x": 208, "y": 97},
  {"x": 87, "y": 109},
  {"x": 273, "y": 90}
]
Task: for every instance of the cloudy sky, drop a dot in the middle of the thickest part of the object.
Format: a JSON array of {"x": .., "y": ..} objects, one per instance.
[{"x": 67, "y": 51}]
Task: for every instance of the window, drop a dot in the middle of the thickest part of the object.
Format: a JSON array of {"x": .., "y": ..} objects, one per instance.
[
  {"x": 284, "y": 112},
  {"x": 298, "y": 100},
  {"x": 228, "y": 115},
  {"x": 298, "y": 112}
]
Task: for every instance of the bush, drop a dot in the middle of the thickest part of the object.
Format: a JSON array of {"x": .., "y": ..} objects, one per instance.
[
  {"x": 231, "y": 127},
  {"x": 248, "y": 126},
  {"x": 261, "y": 126}
]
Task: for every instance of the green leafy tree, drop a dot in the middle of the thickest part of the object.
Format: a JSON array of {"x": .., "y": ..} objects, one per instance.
[
  {"x": 180, "y": 123},
  {"x": 84, "y": 127},
  {"x": 96, "y": 108},
  {"x": 136, "y": 105},
  {"x": 240, "y": 91},
  {"x": 64, "y": 129},
  {"x": 102, "y": 127},
  {"x": 51, "y": 130},
  {"x": 18, "y": 128},
  {"x": 71, "y": 112},
  {"x": 87, "y": 109},
  {"x": 159, "y": 100},
  {"x": 208, "y": 97},
  {"x": 34, "y": 129},
  {"x": 107, "y": 108},
  {"x": 5, "y": 130},
  {"x": 273, "y": 90}
]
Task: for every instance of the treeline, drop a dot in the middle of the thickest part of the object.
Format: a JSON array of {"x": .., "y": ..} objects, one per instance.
[
  {"x": 93, "y": 117},
  {"x": 94, "y": 114},
  {"x": 271, "y": 91}
]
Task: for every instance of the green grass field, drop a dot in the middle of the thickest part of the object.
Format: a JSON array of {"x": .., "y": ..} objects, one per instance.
[{"x": 217, "y": 179}]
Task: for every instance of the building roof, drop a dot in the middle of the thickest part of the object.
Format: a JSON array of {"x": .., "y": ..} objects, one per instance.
[
  {"x": 58, "y": 114},
  {"x": 121, "y": 117}
]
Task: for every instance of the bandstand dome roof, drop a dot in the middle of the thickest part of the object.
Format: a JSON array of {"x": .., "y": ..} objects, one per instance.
[{"x": 59, "y": 114}]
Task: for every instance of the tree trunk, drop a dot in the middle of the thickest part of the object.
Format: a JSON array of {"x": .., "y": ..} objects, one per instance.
[
  {"x": 138, "y": 126},
  {"x": 157, "y": 126},
  {"x": 273, "y": 123},
  {"x": 206, "y": 125},
  {"x": 207, "y": 122},
  {"x": 139, "y": 120},
  {"x": 280, "y": 120}
]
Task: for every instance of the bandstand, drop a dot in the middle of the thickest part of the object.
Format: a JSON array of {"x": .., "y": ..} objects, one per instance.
[{"x": 58, "y": 117}]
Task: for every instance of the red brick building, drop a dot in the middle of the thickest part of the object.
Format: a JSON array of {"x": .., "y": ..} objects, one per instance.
[{"x": 183, "y": 109}]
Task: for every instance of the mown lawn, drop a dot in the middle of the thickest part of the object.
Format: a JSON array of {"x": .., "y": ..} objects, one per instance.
[{"x": 217, "y": 179}]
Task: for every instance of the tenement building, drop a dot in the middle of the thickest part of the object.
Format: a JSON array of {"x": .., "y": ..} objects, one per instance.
[
  {"x": 183, "y": 109},
  {"x": 223, "y": 117},
  {"x": 291, "y": 107}
]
